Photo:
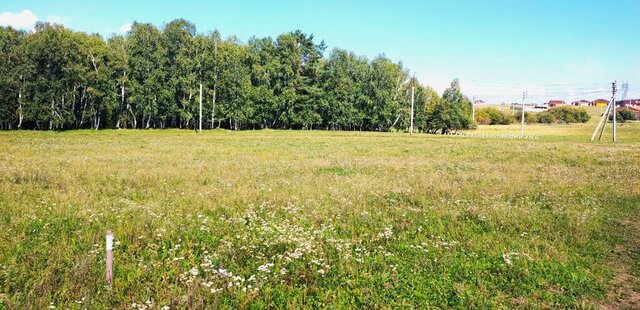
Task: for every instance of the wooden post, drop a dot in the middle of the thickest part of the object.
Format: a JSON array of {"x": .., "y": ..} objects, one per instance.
[{"x": 109, "y": 247}]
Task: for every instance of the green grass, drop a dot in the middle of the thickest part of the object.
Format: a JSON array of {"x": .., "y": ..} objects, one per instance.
[{"x": 295, "y": 219}]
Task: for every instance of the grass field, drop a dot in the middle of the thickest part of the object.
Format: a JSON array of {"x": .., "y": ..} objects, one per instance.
[{"x": 295, "y": 219}]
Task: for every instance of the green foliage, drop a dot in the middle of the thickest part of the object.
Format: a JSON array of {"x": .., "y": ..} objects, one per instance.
[
  {"x": 452, "y": 112},
  {"x": 564, "y": 114},
  {"x": 493, "y": 116},
  {"x": 531, "y": 118},
  {"x": 150, "y": 78},
  {"x": 624, "y": 115},
  {"x": 546, "y": 118}
]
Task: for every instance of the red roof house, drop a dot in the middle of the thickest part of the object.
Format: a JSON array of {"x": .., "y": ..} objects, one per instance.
[
  {"x": 555, "y": 103},
  {"x": 628, "y": 103}
]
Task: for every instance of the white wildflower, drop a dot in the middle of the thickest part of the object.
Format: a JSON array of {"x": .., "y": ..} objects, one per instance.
[
  {"x": 265, "y": 268},
  {"x": 194, "y": 271}
]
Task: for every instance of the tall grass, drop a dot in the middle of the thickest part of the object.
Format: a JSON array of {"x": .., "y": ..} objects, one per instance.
[{"x": 264, "y": 219}]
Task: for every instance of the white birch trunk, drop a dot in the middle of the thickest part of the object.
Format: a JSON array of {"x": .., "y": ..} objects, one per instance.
[
  {"x": 200, "y": 121},
  {"x": 19, "y": 108}
]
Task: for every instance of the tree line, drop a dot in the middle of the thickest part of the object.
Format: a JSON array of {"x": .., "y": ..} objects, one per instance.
[{"x": 54, "y": 78}]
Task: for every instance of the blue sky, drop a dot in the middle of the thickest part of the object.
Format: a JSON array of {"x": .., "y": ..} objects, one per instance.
[{"x": 498, "y": 49}]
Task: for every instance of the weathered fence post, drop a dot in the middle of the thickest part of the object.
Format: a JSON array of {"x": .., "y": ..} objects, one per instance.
[{"x": 109, "y": 261}]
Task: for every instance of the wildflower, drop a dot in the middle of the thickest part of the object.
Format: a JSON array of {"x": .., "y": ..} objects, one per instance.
[
  {"x": 207, "y": 284},
  {"x": 507, "y": 257},
  {"x": 387, "y": 233},
  {"x": 194, "y": 271},
  {"x": 265, "y": 268}
]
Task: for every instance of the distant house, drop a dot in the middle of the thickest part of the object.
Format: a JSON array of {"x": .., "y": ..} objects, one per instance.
[
  {"x": 555, "y": 103},
  {"x": 581, "y": 103},
  {"x": 541, "y": 106},
  {"x": 599, "y": 103},
  {"x": 633, "y": 103}
]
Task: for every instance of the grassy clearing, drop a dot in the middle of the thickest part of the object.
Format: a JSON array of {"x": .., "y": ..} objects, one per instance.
[{"x": 288, "y": 219}]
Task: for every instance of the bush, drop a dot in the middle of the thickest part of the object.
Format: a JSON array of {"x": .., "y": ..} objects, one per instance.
[
  {"x": 564, "y": 115},
  {"x": 546, "y": 118},
  {"x": 624, "y": 115},
  {"x": 507, "y": 118},
  {"x": 483, "y": 118},
  {"x": 493, "y": 116},
  {"x": 530, "y": 118}
]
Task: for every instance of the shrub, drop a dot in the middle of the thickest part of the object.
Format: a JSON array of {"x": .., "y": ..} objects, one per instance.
[
  {"x": 483, "y": 118},
  {"x": 530, "y": 118},
  {"x": 546, "y": 118},
  {"x": 506, "y": 118},
  {"x": 564, "y": 114},
  {"x": 493, "y": 116},
  {"x": 624, "y": 115}
]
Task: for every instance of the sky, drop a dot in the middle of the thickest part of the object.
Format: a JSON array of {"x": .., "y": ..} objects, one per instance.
[{"x": 498, "y": 49}]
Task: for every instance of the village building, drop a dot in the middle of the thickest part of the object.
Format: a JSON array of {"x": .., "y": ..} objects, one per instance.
[
  {"x": 633, "y": 103},
  {"x": 581, "y": 103},
  {"x": 599, "y": 103},
  {"x": 555, "y": 103}
]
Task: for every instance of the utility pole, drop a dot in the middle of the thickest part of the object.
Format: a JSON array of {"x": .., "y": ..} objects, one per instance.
[
  {"x": 525, "y": 94},
  {"x": 613, "y": 96},
  {"x": 602, "y": 124},
  {"x": 200, "y": 125},
  {"x": 413, "y": 93}
]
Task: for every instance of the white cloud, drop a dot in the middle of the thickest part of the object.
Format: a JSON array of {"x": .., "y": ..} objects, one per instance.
[
  {"x": 60, "y": 20},
  {"x": 124, "y": 28},
  {"x": 23, "y": 20}
]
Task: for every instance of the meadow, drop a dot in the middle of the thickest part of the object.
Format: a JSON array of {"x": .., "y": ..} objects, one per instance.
[{"x": 315, "y": 219}]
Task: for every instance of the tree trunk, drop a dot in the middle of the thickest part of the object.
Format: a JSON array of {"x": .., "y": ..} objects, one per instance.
[
  {"x": 52, "y": 114},
  {"x": 396, "y": 121},
  {"x": 135, "y": 121},
  {"x": 200, "y": 107},
  {"x": 213, "y": 109},
  {"x": 19, "y": 108},
  {"x": 84, "y": 106},
  {"x": 121, "y": 104}
]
